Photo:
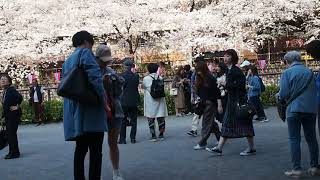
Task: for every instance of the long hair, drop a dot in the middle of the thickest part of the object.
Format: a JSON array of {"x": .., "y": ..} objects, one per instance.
[
  {"x": 178, "y": 72},
  {"x": 254, "y": 70},
  {"x": 203, "y": 73}
]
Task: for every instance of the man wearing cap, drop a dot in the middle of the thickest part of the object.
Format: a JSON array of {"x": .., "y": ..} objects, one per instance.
[
  {"x": 245, "y": 65},
  {"x": 113, "y": 85},
  {"x": 130, "y": 101}
]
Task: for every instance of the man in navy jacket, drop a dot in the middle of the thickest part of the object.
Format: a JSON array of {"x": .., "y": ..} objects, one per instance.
[{"x": 130, "y": 100}]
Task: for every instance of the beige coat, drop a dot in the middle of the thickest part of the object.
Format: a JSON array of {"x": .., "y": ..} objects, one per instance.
[{"x": 179, "y": 100}]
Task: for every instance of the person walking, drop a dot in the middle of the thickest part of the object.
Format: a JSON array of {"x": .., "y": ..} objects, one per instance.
[
  {"x": 298, "y": 88},
  {"x": 210, "y": 97},
  {"x": 178, "y": 83},
  {"x": 254, "y": 92},
  {"x": 231, "y": 126},
  {"x": 83, "y": 123},
  {"x": 113, "y": 85},
  {"x": 130, "y": 101},
  {"x": 154, "y": 108},
  {"x": 187, "y": 89},
  {"x": 11, "y": 112},
  {"x": 313, "y": 48},
  {"x": 195, "y": 100},
  {"x": 36, "y": 101}
]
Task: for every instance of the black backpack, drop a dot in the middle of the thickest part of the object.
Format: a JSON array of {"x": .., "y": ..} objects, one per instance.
[
  {"x": 157, "y": 88},
  {"x": 263, "y": 87}
]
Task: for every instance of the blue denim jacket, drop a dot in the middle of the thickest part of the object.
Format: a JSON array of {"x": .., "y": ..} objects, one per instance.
[
  {"x": 255, "y": 90},
  {"x": 81, "y": 118},
  {"x": 292, "y": 81}
]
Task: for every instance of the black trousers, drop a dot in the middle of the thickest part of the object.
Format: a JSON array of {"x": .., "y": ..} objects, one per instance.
[
  {"x": 92, "y": 141},
  {"x": 130, "y": 113},
  {"x": 256, "y": 102},
  {"x": 12, "y": 128}
]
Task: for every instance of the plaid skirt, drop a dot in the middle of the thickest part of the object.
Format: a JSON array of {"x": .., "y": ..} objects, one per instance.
[{"x": 233, "y": 127}]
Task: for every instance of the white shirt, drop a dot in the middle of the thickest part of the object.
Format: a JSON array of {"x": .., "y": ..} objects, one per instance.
[{"x": 35, "y": 96}]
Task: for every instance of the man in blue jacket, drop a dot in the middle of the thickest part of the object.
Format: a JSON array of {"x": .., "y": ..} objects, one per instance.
[
  {"x": 83, "y": 123},
  {"x": 130, "y": 100},
  {"x": 301, "y": 111}
]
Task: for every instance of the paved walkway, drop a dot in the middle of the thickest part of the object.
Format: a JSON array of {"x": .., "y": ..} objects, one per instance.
[{"x": 46, "y": 156}]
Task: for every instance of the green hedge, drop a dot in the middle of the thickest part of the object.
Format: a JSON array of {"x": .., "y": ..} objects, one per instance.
[
  {"x": 268, "y": 97},
  {"x": 54, "y": 108}
]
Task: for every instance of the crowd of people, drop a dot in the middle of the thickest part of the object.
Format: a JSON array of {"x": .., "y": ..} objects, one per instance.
[{"x": 215, "y": 92}]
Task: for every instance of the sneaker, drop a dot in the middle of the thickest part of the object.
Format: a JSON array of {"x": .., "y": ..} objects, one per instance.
[
  {"x": 192, "y": 133},
  {"x": 117, "y": 178},
  {"x": 264, "y": 119},
  {"x": 248, "y": 152},
  {"x": 161, "y": 137},
  {"x": 178, "y": 115},
  {"x": 153, "y": 139},
  {"x": 122, "y": 142},
  {"x": 215, "y": 151},
  {"x": 198, "y": 147},
  {"x": 294, "y": 173},
  {"x": 314, "y": 171},
  {"x": 133, "y": 141}
]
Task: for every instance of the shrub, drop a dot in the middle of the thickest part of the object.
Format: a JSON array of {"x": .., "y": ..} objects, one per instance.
[
  {"x": 268, "y": 97},
  {"x": 54, "y": 108}
]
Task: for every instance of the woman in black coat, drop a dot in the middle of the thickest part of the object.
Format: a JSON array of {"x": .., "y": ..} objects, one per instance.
[
  {"x": 11, "y": 112},
  {"x": 232, "y": 127}
]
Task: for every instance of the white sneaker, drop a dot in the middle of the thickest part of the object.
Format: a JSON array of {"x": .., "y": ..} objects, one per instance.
[
  {"x": 265, "y": 120},
  {"x": 314, "y": 171},
  {"x": 117, "y": 178},
  {"x": 198, "y": 147},
  {"x": 294, "y": 173},
  {"x": 248, "y": 152}
]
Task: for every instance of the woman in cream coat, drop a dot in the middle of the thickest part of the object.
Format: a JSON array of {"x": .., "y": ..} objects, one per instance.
[{"x": 154, "y": 108}]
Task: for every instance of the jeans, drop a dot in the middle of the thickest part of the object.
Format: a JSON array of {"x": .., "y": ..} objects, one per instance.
[
  {"x": 256, "y": 102},
  {"x": 92, "y": 141},
  {"x": 132, "y": 114},
  {"x": 308, "y": 122}
]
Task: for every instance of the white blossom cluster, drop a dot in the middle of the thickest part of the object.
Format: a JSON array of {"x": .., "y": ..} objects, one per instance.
[{"x": 44, "y": 28}]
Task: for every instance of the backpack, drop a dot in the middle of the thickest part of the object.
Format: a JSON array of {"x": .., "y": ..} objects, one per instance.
[
  {"x": 263, "y": 87},
  {"x": 157, "y": 88}
]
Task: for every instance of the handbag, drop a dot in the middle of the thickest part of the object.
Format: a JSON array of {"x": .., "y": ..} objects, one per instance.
[
  {"x": 3, "y": 137},
  {"x": 244, "y": 112},
  {"x": 173, "y": 92},
  {"x": 282, "y": 104},
  {"x": 75, "y": 86}
]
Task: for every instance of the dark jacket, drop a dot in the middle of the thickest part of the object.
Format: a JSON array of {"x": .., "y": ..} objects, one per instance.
[
  {"x": 209, "y": 91},
  {"x": 11, "y": 97},
  {"x": 130, "y": 96},
  {"x": 236, "y": 84},
  {"x": 39, "y": 94}
]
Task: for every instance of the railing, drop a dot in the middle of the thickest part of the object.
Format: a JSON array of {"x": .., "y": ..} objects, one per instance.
[{"x": 51, "y": 92}]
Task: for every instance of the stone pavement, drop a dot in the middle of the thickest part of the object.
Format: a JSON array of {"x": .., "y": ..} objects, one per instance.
[{"x": 46, "y": 156}]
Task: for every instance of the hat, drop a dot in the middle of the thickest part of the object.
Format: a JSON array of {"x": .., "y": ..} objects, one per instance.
[
  {"x": 103, "y": 52},
  {"x": 128, "y": 62},
  {"x": 245, "y": 63}
]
